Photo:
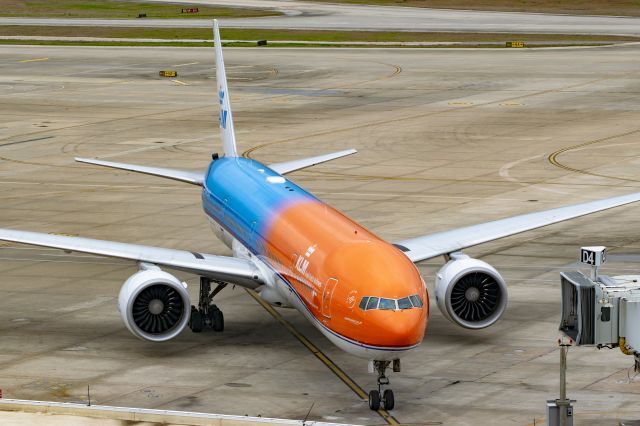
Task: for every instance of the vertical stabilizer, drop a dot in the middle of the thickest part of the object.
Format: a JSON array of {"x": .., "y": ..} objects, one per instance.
[{"x": 226, "y": 120}]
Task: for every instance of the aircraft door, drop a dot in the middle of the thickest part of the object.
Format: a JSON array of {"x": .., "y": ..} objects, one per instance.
[{"x": 327, "y": 295}]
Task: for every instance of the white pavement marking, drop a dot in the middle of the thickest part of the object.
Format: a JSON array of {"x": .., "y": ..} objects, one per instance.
[
  {"x": 35, "y": 60},
  {"x": 504, "y": 173},
  {"x": 97, "y": 301}
]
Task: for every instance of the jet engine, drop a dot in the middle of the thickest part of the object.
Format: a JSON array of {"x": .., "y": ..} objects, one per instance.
[
  {"x": 470, "y": 292},
  {"x": 154, "y": 305}
]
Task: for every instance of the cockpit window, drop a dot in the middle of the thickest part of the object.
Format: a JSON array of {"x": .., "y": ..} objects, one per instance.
[
  {"x": 363, "y": 303},
  {"x": 415, "y": 299},
  {"x": 387, "y": 304},
  {"x": 372, "y": 303},
  {"x": 409, "y": 302},
  {"x": 404, "y": 303}
]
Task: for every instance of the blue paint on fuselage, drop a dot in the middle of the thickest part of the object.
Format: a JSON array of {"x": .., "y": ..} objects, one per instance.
[{"x": 245, "y": 196}]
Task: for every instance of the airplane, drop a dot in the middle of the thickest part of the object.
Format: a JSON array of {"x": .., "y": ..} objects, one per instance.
[{"x": 363, "y": 293}]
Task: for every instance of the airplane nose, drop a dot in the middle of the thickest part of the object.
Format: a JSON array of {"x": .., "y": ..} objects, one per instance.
[{"x": 402, "y": 328}]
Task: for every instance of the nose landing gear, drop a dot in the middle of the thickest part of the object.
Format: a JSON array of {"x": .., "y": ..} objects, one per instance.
[
  {"x": 379, "y": 398},
  {"x": 207, "y": 314}
]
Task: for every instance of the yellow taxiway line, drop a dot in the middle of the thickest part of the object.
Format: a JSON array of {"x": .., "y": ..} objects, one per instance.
[
  {"x": 322, "y": 357},
  {"x": 34, "y": 60},
  {"x": 553, "y": 157}
]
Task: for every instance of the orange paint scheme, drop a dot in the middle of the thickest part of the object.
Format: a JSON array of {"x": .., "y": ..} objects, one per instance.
[{"x": 332, "y": 262}]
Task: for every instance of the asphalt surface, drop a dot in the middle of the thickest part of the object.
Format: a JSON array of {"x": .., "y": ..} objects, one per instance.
[
  {"x": 446, "y": 138},
  {"x": 303, "y": 15}
]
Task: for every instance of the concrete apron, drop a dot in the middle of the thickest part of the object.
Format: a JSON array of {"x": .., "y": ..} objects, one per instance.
[{"x": 142, "y": 414}]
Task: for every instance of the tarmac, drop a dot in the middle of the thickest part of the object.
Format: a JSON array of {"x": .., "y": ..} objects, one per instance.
[
  {"x": 330, "y": 16},
  {"x": 446, "y": 138},
  {"x": 41, "y": 413}
]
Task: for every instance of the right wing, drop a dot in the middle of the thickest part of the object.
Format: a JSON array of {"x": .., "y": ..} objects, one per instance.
[{"x": 222, "y": 268}]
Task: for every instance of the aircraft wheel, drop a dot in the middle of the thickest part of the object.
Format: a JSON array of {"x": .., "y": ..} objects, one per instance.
[
  {"x": 389, "y": 400},
  {"x": 217, "y": 320},
  {"x": 374, "y": 400},
  {"x": 196, "y": 322}
]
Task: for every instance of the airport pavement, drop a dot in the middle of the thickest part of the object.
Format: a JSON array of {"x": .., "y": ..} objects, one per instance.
[
  {"x": 447, "y": 137},
  {"x": 306, "y": 15},
  {"x": 46, "y": 413}
]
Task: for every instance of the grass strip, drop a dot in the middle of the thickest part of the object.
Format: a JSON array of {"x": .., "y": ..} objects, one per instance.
[
  {"x": 279, "y": 45},
  {"x": 112, "y": 9},
  {"x": 301, "y": 35}
]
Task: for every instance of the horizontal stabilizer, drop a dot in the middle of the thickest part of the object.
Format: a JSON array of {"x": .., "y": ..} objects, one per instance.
[
  {"x": 291, "y": 166},
  {"x": 194, "y": 178}
]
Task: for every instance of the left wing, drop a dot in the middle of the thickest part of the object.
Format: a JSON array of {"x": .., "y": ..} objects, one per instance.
[
  {"x": 228, "y": 269},
  {"x": 433, "y": 245}
]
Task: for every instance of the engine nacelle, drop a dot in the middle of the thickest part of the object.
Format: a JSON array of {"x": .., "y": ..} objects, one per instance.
[
  {"x": 470, "y": 292},
  {"x": 154, "y": 305}
]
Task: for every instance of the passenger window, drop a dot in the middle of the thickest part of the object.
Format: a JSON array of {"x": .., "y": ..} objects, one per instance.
[
  {"x": 388, "y": 304},
  {"x": 363, "y": 302},
  {"x": 417, "y": 302},
  {"x": 372, "y": 303},
  {"x": 404, "y": 303}
]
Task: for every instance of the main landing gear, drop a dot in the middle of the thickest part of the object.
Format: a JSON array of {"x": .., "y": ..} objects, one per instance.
[
  {"x": 378, "y": 398},
  {"x": 207, "y": 314}
]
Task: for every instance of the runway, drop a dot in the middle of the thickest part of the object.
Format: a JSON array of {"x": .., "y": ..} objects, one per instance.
[
  {"x": 327, "y": 16},
  {"x": 446, "y": 138}
]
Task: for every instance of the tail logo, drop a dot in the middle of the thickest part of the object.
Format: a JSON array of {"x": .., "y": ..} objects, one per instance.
[
  {"x": 223, "y": 118},
  {"x": 223, "y": 112}
]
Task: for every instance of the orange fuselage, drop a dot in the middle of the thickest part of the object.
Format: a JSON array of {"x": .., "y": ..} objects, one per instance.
[{"x": 328, "y": 261}]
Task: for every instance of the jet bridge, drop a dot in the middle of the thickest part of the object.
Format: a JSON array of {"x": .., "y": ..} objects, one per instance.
[
  {"x": 597, "y": 310},
  {"x": 600, "y": 310}
]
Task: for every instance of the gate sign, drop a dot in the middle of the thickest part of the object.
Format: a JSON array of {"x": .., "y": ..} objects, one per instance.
[{"x": 594, "y": 256}]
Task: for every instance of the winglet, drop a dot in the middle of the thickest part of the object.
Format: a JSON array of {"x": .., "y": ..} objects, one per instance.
[{"x": 226, "y": 120}]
